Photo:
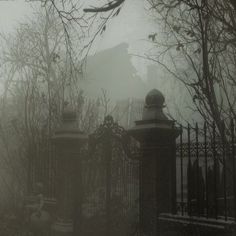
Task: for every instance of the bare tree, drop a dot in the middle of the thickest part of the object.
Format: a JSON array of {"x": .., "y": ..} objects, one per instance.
[
  {"x": 203, "y": 35},
  {"x": 84, "y": 24},
  {"x": 199, "y": 50},
  {"x": 37, "y": 80}
]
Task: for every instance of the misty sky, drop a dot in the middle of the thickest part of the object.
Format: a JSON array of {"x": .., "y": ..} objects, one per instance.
[{"x": 132, "y": 25}]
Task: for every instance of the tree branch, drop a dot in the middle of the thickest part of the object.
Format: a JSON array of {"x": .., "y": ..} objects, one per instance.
[{"x": 107, "y": 7}]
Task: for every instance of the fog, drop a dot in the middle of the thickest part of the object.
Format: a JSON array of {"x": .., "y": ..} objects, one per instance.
[
  {"x": 82, "y": 151},
  {"x": 113, "y": 62}
]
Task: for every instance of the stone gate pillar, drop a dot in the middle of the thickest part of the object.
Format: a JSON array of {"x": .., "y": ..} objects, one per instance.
[
  {"x": 68, "y": 140},
  {"x": 156, "y": 134}
]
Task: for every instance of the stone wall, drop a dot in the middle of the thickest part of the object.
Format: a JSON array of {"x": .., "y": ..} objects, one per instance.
[{"x": 174, "y": 225}]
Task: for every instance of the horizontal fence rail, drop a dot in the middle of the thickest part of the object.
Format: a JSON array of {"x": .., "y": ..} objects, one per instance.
[{"x": 205, "y": 171}]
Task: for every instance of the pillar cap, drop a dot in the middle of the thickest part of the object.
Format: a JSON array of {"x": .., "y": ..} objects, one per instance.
[
  {"x": 69, "y": 114},
  {"x": 154, "y": 122},
  {"x": 69, "y": 130},
  {"x": 155, "y": 98},
  {"x": 154, "y": 103}
]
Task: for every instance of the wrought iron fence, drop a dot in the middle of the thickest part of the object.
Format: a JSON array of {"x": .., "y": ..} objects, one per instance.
[
  {"x": 42, "y": 168},
  {"x": 206, "y": 185}
]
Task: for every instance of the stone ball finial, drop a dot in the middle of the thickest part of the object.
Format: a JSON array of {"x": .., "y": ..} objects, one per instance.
[
  {"x": 154, "y": 105},
  {"x": 155, "y": 98}
]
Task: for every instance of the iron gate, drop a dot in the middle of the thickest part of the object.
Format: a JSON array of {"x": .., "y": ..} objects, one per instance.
[{"x": 110, "y": 183}]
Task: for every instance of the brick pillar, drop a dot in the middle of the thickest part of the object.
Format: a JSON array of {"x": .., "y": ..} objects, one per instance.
[
  {"x": 156, "y": 134},
  {"x": 68, "y": 141}
]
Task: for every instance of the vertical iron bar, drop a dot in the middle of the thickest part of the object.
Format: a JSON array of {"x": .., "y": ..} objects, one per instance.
[
  {"x": 197, "y": 159},
  {"x": 224, "y": 174},
  {"x": 130, "y": 185},
  {"x": 122, "y": 183},
  {"x": 181, "y": 170},
  {"x": 215, "y": 169},
  {"x": 189, "y": 174},
  {"x": 233, "y": 158},
  {"x": 48, "y": 174},
  {"x": 140, "y": 191},
  {"x": 120, "y": 186},
  {"x": 29, "y": 175},
  {"x": 108, "y": 156},
  {"x": 206, "y": 169},
  {"x": 173, "y": 150}
]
